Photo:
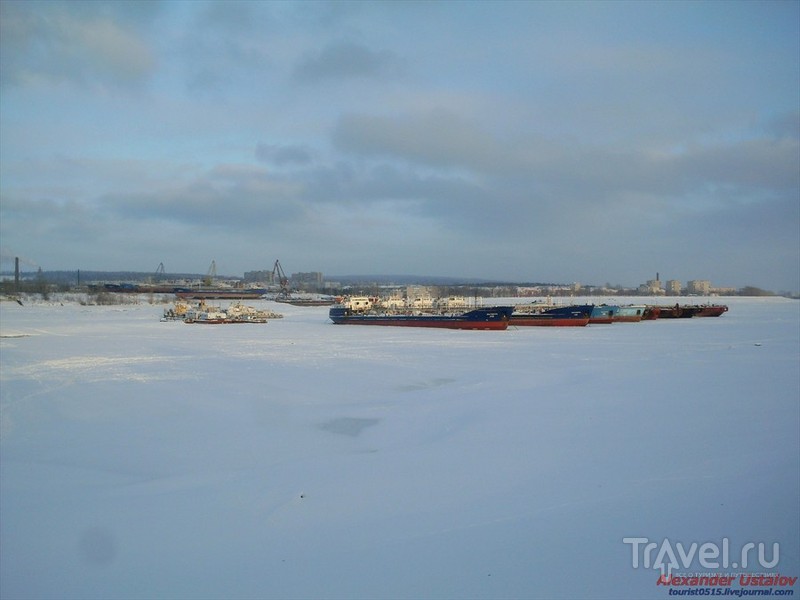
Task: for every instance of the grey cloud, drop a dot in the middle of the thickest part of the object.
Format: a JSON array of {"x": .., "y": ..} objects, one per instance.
[
  {"x": 229, "y": 197},
  {"x": 345, "y": 60},
  {"x": 785, "y": 126},
  {"x": 439, "y": 138},
  {"x": 47, "y": 218},
  {"x": 234, "y": 18},
  {"x": 283, "y": 155},
  {"x": 573, "y": 199},
  {"x": 757, "y": 239},
  {"x": 215, "y": 61},
  {"x": 767, "y": 164},
  {"x": 228, "y": 46},
  {"x": 50, "y": 43}
]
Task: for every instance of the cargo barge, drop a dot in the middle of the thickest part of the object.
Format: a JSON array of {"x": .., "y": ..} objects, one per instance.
[
  {"x": 602, "y": 314},
  {"x": 687, "y": 311},
  {"x": 494, "y": 318},
  {"x": 212, "y": 293},
  {"x": 631, "y": 313},
  {"x": 305, "y": 300},
  {"x": 561, "y": 316},
  {"x": 365, "y": 311}
]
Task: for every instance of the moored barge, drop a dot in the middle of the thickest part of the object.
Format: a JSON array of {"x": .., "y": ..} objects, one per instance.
[
  {"x": 631, "y": 313},
  {"x": 560, "y": 316},
  {"x": 365, "y": 311},
  {"x": 213, "y": 293}
]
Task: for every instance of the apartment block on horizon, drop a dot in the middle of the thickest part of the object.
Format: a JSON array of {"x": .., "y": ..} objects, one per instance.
[
  {"x": 673, "y": 287},
  {"x": 700, "y": 287},
  {"x": 652, "y": 287},
  {"x": 310, "y": 278}
]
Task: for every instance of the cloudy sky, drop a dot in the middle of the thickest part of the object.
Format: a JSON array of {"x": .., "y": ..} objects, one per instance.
[{"x": 532, "y": 141}]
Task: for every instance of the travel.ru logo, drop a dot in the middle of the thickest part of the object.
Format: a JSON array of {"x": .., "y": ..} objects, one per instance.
[{"x": 668, "y": 556}]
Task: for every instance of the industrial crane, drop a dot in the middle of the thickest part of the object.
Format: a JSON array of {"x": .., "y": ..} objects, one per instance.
[
  {"x": 212, "y": 272},
  {"x": 283, "y": 281},
  {"x": 159, "y": 272}
]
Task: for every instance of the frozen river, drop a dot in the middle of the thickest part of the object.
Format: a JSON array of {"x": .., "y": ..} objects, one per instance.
[{"x": 300, "y": 459}]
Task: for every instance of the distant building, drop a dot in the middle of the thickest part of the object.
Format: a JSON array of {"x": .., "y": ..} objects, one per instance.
[
  {"x": 260, "y": 276},
  {"x": 673, "y": 287},
  {"x": 723, "y": 291},
  {"x": 701, "y": 287},
  {"x": 652, "y": 287},
  {"x": 313, "y": 278},
  {"x": 417, "y": 292}
]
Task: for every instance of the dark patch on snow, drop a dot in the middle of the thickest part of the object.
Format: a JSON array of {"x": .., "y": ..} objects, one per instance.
[{"x": 352, "y": 426}]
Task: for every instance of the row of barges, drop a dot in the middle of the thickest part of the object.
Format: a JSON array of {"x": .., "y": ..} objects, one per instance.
[{"x": 455, "y": 313}]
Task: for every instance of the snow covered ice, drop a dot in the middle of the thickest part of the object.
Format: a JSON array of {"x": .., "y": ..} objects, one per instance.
[{"x": 301, "y": 459}]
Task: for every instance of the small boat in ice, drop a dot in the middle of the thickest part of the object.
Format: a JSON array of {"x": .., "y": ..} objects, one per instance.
[
  {"x": 177, "y": 312},
  {"x": 215, "y": 315},
  {"x": 240, "y": 313},
  {"x": 206, "y": 315}
]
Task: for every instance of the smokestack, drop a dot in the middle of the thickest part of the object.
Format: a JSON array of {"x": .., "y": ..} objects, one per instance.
[{"x": 16, "y": 275}]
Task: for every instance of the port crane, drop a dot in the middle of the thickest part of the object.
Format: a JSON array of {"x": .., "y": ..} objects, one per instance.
[
  {"x": 283, "y": 281},
  {"x": 159, "y": 272},
  {"x": 212, "y": 273}
]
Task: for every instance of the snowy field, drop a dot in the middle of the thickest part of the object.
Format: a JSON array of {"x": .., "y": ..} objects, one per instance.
[{"x": 301, "y": 459}]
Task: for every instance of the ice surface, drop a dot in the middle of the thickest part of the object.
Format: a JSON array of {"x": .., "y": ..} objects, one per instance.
[{"x": 301, "y": 459}]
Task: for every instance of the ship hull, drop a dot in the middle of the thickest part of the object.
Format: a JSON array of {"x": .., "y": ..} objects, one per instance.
[
  {"x": 602, "y": 315},
  {"x": 715, "y": 310},
  {"x": 564, "y": 316},
  {"x": 651, "y": 313},
  {"x": 304, "y": 302},
  {"x": 495, "y": 318},
  {"x": 214, "y": 294},
  {"x": 629, "y": 314},
  {"x": 677, "y": 312},
  {"x": 688, "y": 311},
  {"x": 533, "y": 321}
]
